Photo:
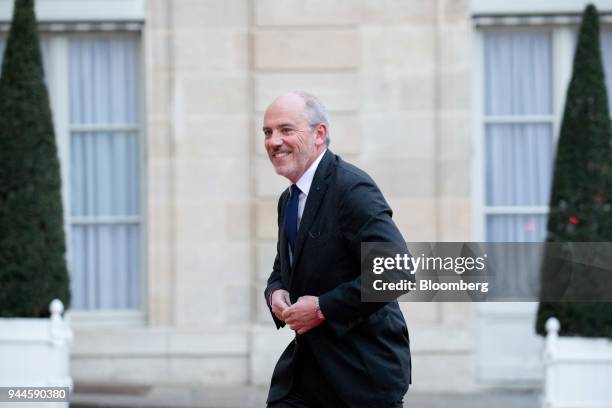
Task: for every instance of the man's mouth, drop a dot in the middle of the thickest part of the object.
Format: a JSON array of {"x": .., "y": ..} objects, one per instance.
[{"x": 278, "y": 155}]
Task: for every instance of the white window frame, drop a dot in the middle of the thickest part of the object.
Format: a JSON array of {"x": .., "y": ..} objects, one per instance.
[
  {"x": 562, "y": 53},
  {"x": 114, "y": 317}
]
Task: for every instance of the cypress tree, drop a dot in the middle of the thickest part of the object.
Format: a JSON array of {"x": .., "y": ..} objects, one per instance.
[
  {"x": 32, "y": 245},
  {"x": 580, "y": 204}
]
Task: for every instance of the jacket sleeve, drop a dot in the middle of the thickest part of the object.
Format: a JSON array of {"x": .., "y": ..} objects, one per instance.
[
  {"x": 364, "y": 216},
  {"x": 275, "y": 281}
]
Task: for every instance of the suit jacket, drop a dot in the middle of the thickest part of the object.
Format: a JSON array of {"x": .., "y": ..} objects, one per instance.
[{"x": 363, "y": 349}]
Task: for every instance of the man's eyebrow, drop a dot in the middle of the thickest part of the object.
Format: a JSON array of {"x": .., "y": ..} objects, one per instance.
[{"x": 279, "y": 126}]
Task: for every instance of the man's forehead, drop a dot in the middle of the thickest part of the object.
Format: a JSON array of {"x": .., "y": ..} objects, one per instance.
[{"x": 287, "y": 105}]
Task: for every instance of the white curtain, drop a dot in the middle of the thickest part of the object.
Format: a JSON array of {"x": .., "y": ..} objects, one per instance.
[
  {"x": 606, "y": 51},
  {"x": 518, "y": 156},
  {"x": 104, "y": 168},
  {"x": 104, "y": 76},
  {"x": 516, "y": 228},
  {"x": 518, "y": 72},
  {"x": 518, "y": 165},
  {"x": 518, "y": 150}
]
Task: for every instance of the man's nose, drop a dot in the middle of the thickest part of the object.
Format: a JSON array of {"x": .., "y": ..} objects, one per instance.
[{"x": 275, "y": 139}]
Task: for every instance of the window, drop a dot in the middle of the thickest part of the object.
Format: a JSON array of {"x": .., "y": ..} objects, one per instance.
[
  {"x": 104, "y": 172},
  {"x": 94, "y": 85},
  {"x": 518, "y": 133}
]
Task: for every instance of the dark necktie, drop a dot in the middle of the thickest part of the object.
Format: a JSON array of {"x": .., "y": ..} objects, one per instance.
[{"x": 291, "y": 216}]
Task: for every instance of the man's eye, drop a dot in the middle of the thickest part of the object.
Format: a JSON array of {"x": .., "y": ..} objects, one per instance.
[
  {"x": 286, "y": 131},
  {"x": 267, "y": 133}
]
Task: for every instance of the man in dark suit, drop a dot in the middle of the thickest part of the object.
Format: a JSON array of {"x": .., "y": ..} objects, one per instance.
[{"x": 346, "y": 353}]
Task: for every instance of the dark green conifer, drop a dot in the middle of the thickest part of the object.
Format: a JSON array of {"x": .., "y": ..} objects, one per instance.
[
  {"x": 580, "y": 204},
  {"x": 32, "y": 245}
]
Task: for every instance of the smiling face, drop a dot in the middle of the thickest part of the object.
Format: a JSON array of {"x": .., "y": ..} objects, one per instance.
[{"x": 291, "y": 143}]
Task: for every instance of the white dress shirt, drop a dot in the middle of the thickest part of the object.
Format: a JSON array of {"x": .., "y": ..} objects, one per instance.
[{"x": 304, "y": 184}]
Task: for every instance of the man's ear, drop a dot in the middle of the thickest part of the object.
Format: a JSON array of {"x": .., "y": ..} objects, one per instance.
[{"x": 320, "y": 134}]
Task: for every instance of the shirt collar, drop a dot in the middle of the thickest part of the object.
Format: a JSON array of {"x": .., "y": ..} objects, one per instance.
[{"x": 306, "y": 180}]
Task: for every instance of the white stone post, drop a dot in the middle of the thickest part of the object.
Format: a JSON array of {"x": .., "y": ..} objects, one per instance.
[{"x": 550, "y": 354}]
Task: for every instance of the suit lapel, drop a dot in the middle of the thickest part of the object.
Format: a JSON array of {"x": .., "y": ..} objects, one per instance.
[{"x": 313, "y": 202}]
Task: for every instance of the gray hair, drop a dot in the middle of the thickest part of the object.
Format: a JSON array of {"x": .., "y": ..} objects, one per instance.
[{"x": 314, "y": 111}]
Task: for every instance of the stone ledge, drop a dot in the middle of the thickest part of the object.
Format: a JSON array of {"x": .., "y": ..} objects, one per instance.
[{"x": 150, "y": 342}]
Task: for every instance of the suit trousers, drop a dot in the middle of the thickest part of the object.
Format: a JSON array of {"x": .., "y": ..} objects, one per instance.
[{"x": 310, "y": 388}]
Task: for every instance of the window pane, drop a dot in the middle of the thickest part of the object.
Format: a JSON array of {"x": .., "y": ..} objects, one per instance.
[
  {"x": 105, "y": 170},
  {"x": 518, "y": 164},
  {"x": 516, "y": 228},
  {"x": 104, "y": 174},
  {"x": 518, "y": 72},
  {"x": 104, "y": 75},
  {"x": 515, "y": 271},
  {"x": 105, "y": 266}
]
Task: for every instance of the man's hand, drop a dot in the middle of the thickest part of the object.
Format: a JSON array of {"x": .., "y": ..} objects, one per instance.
[
  {"x": 303, "y": 316},
  {"x": 280, "y": 302}
]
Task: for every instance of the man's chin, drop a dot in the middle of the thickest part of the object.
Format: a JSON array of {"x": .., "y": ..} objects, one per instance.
[
  {"x": 281, "y": 171},
  {"x": 284, "y": 171}
]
